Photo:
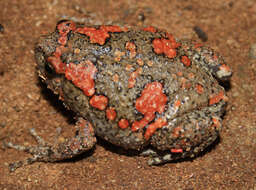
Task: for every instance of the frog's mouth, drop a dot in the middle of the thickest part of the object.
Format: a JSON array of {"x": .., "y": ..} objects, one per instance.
[
  {"x": 44, "y": 69},
  {"x": 43, "y": 50}
]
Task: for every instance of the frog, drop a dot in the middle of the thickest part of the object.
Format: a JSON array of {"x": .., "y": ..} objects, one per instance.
[{"x": 139, "y": 88}]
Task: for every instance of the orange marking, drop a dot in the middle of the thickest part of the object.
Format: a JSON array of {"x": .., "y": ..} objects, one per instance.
[
  {"x": 128, "y": 67},
  {"x": 191, "y": 75},
  {"x": 178, "y": 150},
  {"x": 82, "y": 76},
  {"x": 225, "y": 68},
  {"x": 64, "y": 28},
  {"x": 179, "y": 73},
  {"x": 150, "y": 29},
  {"x": 177, "y": 103},
  {"x": 123, "y": 123},
  {"x": 132, "y": 48},
  {"x": 111, "y": 113},
  {"x": 166, "y": 46},
  {"x": 56, "y": 62},
  {"x": 118, "y": 55},
  {"x": 133, "y": 76},
  {"x": 152, "y": 100},
  {"x": 150, "y": 63},
  {"x": 115, "y": 78},
  {"x": 100, "y": 102},
  {"x": 197, "y": 45},
  {"x": 176, "y": 132},
  {"x": 140, "y": 62},
  {"x": 216, "y": 98},
  {"x": 183, "y": 83},
  {"x": 159, "y": 123},
  {"x": 216, "y": 122},
  {"x": 199, "y": 89},
  {"x": 100, "y": 35},
  {"x": 186, "y": 61}
]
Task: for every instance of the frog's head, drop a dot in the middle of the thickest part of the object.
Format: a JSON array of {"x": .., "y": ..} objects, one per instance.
[
  {"x": 50, "y": 49},
  {"x": 48, "y": 59},
  {"x": 213, "y": 62}
]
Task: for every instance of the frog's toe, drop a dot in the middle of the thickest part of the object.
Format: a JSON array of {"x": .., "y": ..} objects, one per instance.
[
  {"x": 149, "y": 152},
  {"x": 156, "y": 160}
]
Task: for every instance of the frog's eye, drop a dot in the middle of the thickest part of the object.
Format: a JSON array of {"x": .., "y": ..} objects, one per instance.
[{"x": 49, "y": 68}]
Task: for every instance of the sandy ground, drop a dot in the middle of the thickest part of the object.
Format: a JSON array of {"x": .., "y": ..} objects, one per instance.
[{"x": 230, "y": 26}]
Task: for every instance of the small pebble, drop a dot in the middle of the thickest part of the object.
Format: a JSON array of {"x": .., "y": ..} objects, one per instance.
[
  {"x": 252, "y": 51},
  {"x": 200, "y": 33},
  {"x": 1, "y": 28},
  {"x": 141, "y": 17}
]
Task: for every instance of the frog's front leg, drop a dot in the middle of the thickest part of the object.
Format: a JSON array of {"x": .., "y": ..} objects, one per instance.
[{"x": 83, "y": 140}]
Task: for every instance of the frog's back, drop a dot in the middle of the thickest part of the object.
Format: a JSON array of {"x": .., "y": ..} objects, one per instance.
[{"x": 131, "y": 82}]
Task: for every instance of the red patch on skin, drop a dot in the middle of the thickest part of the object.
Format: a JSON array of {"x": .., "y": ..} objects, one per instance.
[
  {"x": 56, "y": 62},
  {"x": 132, "y": 48},
  {"x": 152, "y": 100},
  {"x": 128, "y": 67},
  {"x": 216, "y": 122},
  {"x": 176, "y": 150},
  {"x": 150, "y": 29},
  {"x": 215, "y": 57},
  {"x": 183, "y": 83},
  {"x": 100, "y": 35},
  {"x": 159, "y": 123},
  {"x": 115, "y": 78},
  {"x": 64, "y": 28},
  {"x": 188, "y": 85},
  {"x": 123, "y": 123},
  {"x": 179, "y": 73},
  {"x": 216, "y": 98},
  {"x": 176, "y": 132},
  {"x": 100, "y": 102},
  {"x": 140, "y": 62},
  {"x": 111, "y": 113},
  {"x": 118, "y": 55},
  {"x": 163, "y": 46},
  {"x": 133, "y": 76},
  {"x": 166, "y": 46},
  {"x": 186, "y": 61},
  {"x": 191, "y": 75},
  {"x": 82, "y": 76},
  {"x": 197, "y": 45},
  {"x": 199, "y": 89},
  {"x": 225, "y": 68},
  {"x": 177, "y": 103}
]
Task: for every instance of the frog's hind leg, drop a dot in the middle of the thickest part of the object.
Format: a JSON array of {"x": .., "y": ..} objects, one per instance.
[
  {"x": 184, "y": 137},
  {"x": 83, "y": 140}
]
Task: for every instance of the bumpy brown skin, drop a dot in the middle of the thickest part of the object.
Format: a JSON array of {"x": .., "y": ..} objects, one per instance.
[{"x": 181, "y": 114}]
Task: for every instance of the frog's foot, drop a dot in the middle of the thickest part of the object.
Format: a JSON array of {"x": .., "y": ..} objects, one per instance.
[
  {"x": 155, "y": 158},
  {"x": 83, "y": 140}
]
